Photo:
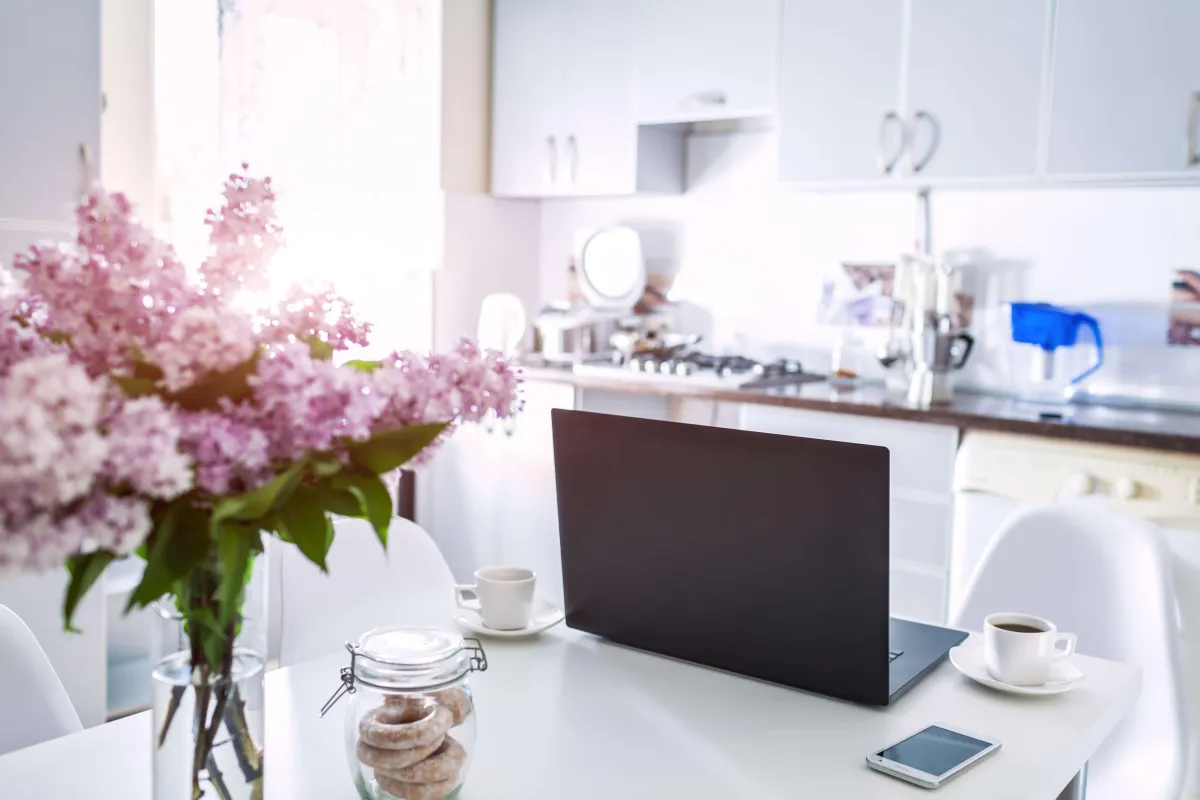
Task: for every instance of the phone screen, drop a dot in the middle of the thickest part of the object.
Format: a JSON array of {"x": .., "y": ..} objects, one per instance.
[{"x": 934, "y": 750}]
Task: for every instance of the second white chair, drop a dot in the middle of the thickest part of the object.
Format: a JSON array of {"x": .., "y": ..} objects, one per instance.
[
  {"x": 314, "y": 614},
  {"x": 1107, "y": 578},
  {"x": 35, "y": 705}
]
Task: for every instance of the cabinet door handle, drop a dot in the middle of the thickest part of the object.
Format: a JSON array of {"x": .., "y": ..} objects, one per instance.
[
  {"x": 712, "y": 97},
  {"x": 552, "y": 157},
  {"x": 935, "y": 131},
  {"x": 1193, "y": 128},
  {"x": 573, "y": 155},
  {"x": 87, "y": 168},
  {"x": 888, "y": 161}
]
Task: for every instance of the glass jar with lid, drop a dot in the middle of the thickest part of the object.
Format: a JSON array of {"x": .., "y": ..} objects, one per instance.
[{"x": 410, "y": 723}]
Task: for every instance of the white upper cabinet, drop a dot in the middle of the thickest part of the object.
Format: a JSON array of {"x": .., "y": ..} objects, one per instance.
[
  {"x": 1126, "y": 76},
  {"x": 49, "y": 106},
  {"x": 974, "y": 87},
  {"x": 562, "y": 98},
  {"x": 839, "y": 93},
  {"x": 527, "y": 89},
  {"x": 599, "y": 153},
  {"x": 706, "y": 59}
]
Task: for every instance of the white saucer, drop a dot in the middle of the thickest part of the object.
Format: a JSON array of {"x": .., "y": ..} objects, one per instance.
[
  {"x": 545, "y": 615},
  {"x": 968, "y": 659}
]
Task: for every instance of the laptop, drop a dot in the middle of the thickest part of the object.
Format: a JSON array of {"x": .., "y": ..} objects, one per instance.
[{"x": 757, "y": 554}]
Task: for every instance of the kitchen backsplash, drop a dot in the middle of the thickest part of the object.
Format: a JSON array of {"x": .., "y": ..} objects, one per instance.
[{"x": 755, "y": 254}]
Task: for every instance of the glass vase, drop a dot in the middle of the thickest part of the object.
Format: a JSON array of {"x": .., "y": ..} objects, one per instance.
[{"x": 208, "y": 731}]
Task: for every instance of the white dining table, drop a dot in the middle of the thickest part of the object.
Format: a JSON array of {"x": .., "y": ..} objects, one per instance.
[{"x": 567, "y": 715}]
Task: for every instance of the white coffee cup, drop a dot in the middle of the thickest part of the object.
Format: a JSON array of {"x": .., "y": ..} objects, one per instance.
[
  {"x": 1019, "y": 648},
  {"x": 503, "y": 596}
]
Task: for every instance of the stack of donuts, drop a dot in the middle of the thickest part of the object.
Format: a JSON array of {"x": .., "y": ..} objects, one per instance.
[{"x": 407, "y": 742}]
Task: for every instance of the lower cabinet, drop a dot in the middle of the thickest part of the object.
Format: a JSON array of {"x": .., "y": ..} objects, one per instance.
[
  {"x": 922, "y": 470},
  {"x": 488, "y": 496}
]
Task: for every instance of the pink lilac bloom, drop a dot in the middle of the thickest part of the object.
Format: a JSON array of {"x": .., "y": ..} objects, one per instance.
[
  {"x": 50, "y": 448},
  {"x": 244, "y": 235},
  {"x": 230, "y": 455},
  {"x": 111, "y": 291},
  {"x": 200, "y": 341},
  {"x": 316, "y": 312},
  {"x": 20, "y": 343},
  {"x": 304, "y": 404},
  {"x": 143, "y": 438},
  {"x": 466, "y": 384}
]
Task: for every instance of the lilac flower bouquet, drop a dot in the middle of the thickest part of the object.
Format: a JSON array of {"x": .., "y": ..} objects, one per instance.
[{"x": 147, "y": 409}]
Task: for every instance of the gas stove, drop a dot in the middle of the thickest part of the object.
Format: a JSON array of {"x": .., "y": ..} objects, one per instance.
[{"x": 703, "y": 369}]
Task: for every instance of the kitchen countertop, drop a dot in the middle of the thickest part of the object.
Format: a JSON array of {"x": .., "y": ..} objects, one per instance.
[{"x": 1175, "y": 431}]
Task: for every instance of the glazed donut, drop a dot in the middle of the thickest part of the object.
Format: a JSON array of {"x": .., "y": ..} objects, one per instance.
[
  {"x": 454, "y": 699},
  {"x": 444, "y": 765},
  {"x": 456, "y": 702},
  {"x": 395, "y": 759},
  {"x": 415, "y": 791},
  {"x": 403, "y": 728}
]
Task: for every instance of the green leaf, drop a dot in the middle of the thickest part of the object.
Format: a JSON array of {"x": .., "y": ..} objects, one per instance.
[
  {"x": 324, "y": 467},
  {"x": 306, "y": 523},
  {"x": 85, "y": 570},
  {"x": 363, "y": 366},
  {"x": 375, "y": 498},
  {"x": 256, "y": 504},
  {"x": 57, "y": 337},
  {"x": 207, "y": 392},
  {"x": 319, "y": 348},
  {"x": 392, "y": 449},
  {"x": 135, "y": 387},
  {"x": 339, "y": 500},
  {"x": 236, "y": 546},
  {"x": 177, "y": 546}
]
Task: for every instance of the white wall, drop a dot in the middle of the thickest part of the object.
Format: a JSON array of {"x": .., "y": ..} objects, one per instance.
[{"x": 754, "y": 252}]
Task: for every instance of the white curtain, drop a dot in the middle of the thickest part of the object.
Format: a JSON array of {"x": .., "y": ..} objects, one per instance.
[{"x": 337, "y": 100}]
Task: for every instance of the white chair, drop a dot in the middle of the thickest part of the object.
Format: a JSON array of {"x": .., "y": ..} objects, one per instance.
[
  {"x": 365, "y": 588},
  {"x": 36, "y": 706},
  {"x": 1108, "y": 579}
]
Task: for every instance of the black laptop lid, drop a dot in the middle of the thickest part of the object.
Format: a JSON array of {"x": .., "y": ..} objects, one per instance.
[{"x": 758, "y": 554}]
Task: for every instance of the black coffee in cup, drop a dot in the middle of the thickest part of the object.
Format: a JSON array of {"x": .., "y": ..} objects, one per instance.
[{"x": 1018, "y": 628}]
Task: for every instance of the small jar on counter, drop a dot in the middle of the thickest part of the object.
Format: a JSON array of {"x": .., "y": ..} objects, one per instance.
[{"x": 410, "y": 723}]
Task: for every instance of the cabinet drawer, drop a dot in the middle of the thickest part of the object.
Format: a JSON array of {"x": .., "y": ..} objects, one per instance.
[
  {"x": 920, "y": 532},
  {"x": 917, "y": 596},
  {"x": 922, "y": 455}
]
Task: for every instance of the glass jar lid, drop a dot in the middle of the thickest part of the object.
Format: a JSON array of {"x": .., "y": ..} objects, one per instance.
[
  {"x": 408, "y": 659},
  {"x": 399, "y": 659}
]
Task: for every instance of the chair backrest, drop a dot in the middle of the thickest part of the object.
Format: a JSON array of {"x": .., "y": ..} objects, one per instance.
[
  {"x": 36, "y": 706},
  {"x": 1108, "y": 579},
  {"x": 366, "y": 587}
]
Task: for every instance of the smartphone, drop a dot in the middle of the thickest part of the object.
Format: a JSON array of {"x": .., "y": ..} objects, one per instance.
[{"x": 932, "y": 756}]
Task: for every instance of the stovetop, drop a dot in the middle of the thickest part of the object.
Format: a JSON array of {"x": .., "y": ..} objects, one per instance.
[{"x": 695, "y": 367}]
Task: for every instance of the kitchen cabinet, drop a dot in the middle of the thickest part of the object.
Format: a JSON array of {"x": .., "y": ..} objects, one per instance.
[
  {"x": 49, "y": 108},
  {"x": 1126, "y": 78},
  {"x": 970, "y": 107},
  {"x": 839, "y": 89},
  {"x": 706, "y": 59},
  {"x": 490, "y": 496},
  {"x": 562, "y": 98},
  {"x": 974, "y": 87},
  {"x": 922, "y": 478}
]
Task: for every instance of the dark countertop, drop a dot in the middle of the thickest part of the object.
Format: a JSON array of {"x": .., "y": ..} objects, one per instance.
[{"x": 1176, "y": 431}]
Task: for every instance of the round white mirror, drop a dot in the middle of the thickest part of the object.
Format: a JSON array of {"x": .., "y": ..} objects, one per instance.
[{"x": 612, "y": 272}]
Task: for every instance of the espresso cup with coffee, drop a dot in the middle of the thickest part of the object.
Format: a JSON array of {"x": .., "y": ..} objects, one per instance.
[
  {"x": 1019, "y": 648},
  {"x": 503, "y": 597}
]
